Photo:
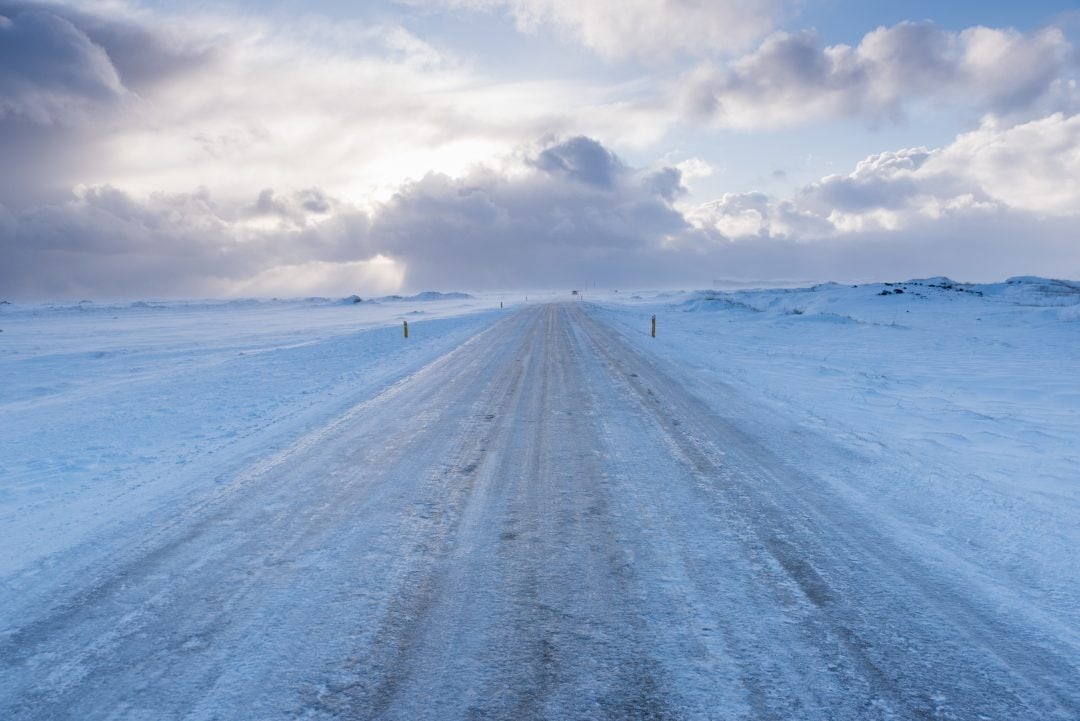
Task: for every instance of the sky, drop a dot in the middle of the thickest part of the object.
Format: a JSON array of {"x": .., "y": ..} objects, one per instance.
[{"x": 195, "y": 149}]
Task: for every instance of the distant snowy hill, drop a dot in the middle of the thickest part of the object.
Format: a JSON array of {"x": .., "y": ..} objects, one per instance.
[{"x": 878, "y": 302}]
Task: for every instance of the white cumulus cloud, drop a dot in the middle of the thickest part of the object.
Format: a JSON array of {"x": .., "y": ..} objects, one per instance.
[
  {"x": 1032, "y": 169},
  {"x": 792, "y": 78}
]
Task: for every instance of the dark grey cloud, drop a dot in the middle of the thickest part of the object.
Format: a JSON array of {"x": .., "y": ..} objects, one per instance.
[
  {"x": 107, "y": 243},
  {"x": 294, "y": 208},
  {"x": 50, "y": 71},
  {"x": 66, "y": 78},
  {"x": 141, "y": 56},
  {"x": 314, "y": 200},
  {"x": 582, "y": 160},
  {"x": 267, "y": 204},
  {"x": 665, "y": 182},
  {"x": 41, "y": 163}
]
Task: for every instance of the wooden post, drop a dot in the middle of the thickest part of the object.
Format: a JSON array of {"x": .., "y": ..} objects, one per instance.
[
  {"x": 500, "y": 304},
  {"x": 407, "y": 329},
  {"x": 654, "y": 326}
]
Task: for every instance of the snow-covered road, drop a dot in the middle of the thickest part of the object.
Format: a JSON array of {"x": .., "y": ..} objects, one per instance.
[{"x": 545, "y": 522}]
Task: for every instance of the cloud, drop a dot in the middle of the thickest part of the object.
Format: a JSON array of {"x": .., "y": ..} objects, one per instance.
[
  {"x": 294, "y": 210},
  {"x": 378, "y": 275},
  {"x": 1031, "y": 170},
  {"x": 581, "y": 160},
  {"x": 348, "y": 155},
  {"x": 51, "y": 72},
  {"x": 567, "y": 213},
  {"x": 169, "y": 102},
  {"x": 996, "y": 202},
  {"x": 617, "y": 29},
  {"x": 792, "y": 79},
  {"x": 109, "y": 243},
  {"x": 553, "y": 215},
  {"x": 974, "y": 246},
  {"x": 62, "y": 64},
  {"x": 1032, "y": 167},
  {"x": 70, "y": 81}
]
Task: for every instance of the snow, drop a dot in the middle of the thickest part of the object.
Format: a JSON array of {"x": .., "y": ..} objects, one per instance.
[
  {"x": 832, "y": 502},
  {"x": 953, "y": 409},
  {"x": 110, "y": 408}
]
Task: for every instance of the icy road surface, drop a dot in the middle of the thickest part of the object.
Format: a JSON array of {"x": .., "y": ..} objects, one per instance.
[{"x": 541, "y": 523}]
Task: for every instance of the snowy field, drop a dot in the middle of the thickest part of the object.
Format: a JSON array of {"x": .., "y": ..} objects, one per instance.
[
  {"x": 109, "y": 408},
  {"x": 834, "y": 502},
  {"x": 952, "y": 410}
]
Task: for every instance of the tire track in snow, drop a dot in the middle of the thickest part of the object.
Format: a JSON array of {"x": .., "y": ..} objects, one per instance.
[{"x": 524, "y": 613}]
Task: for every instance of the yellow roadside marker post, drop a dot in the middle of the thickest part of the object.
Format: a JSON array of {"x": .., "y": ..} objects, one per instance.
[{"x": 407, "y": 329}]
